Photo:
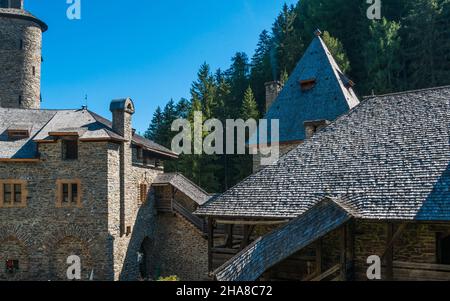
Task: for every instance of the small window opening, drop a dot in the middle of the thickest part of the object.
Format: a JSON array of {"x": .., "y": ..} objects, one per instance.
[
  {"x": 443, "y": 248},
  {"x": 70, "y": 149},
  {"x": 308, "y": 84},
  {"x": 128, "y": 230},
  {"x": 11, "y": 266}
]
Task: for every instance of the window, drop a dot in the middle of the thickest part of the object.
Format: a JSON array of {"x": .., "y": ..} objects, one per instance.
[
  {"x": 143, "y": 192},
  {"x": 14, "y": 135},
  {"x": 13, "y": 193},
  {"x": 70, "y": 149},
  {"x": 68, "y": 193},
  {"x": 11, "y": 266},
  {"x": 34, "y": 70},
  {"x": 443, "y": 248},
  {"x": 308, "y": 84}
]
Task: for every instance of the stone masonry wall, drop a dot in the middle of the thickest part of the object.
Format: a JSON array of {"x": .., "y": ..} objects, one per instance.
[
  {"x": 20, "y": 61},
  {"x": 179, "y": 249},
  {"x": 41, "y": 235}
]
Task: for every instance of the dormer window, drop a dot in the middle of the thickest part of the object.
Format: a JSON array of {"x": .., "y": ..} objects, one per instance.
[
  {"x": 70, "y": 149},
  {"x": 312, "y": 127},
  {"x": 307, "y": 84},
  {"x": 18, "y": 132}
]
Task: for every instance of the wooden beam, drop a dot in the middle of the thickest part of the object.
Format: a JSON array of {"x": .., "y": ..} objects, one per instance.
[
  {"x": 246, "y": 239},
  {"x": 210, "y": 243},
  {"x": 396, "y": 235},
  {"x": 343, "y": 244},
  {"x": 389, "y": 253},
  {"x": 351, "y": 250},
  {"x": 319, "y": 257},
  {"x": 229, "y": 239},
  {"x": 240, "y": 222}
]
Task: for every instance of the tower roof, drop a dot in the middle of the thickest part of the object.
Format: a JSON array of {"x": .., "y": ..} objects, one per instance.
[
  {"x": 14, "y": 13},
  {"x": 328, "y": 96}
]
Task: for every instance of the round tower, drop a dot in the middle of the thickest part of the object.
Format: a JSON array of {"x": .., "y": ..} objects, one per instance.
[{"x": 20, "y": 56}]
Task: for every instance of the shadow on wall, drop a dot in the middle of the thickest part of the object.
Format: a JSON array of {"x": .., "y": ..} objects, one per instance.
[
  {"x": 437, "y": 205},
  {"x": 135, "y": 266}
]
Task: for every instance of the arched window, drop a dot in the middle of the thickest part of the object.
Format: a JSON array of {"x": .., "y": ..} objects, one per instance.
[{"x": 443, "y": 248}]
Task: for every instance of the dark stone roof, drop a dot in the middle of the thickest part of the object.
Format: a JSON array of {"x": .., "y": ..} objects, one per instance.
[
  {"x": 43, "y": 123},
  {"x": 22, "y": 14},
  {"x": 329, "y": 98},
  {"x": 388, "y": 157},
  {"x": 272, "y": 248},
  {"x": 184, "y": 185}
]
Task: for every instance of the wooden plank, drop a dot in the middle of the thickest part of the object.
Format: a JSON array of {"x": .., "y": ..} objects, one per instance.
[
  {"x": 394, "y": 238},
  {"x": 389, "y": 255},
  {"x": 225, "y": 251},
  {"x": 343, "y": 247},
  {"x": 210, "y": 243},
  {"x": 237, "y": 222},
  {"x": 422, "y": 266},
  {"x": 327, "y": 273},
  {"x": 319, "y": 256}
]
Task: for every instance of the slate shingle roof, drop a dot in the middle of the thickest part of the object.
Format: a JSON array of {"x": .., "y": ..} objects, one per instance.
[
  {"x": 43, "y": 123},
  {"x": 184, "y": 185},
  {"x": 272, "y": 248},
  {"x": 329, "y": 98},
  {"x": 388, "y": 158}
]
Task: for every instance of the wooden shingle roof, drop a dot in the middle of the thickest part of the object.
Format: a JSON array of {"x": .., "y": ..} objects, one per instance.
[{"x": 389, "y": 158}]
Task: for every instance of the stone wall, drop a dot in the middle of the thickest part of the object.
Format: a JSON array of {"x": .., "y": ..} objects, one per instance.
[
  {"x": 20, "y": 58},
  {"x": 42, "y": 229},
  {"x": 178, "y": 249}
]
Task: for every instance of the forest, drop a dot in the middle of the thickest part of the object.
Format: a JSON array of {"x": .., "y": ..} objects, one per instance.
[{"x": 407, "y": 49}]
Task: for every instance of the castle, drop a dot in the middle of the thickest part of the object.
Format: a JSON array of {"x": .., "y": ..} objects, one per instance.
[{"x": 75, "y": 183}]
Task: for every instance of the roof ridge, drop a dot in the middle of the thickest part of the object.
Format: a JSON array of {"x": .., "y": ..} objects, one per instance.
[{"x": 407, "y": 92}]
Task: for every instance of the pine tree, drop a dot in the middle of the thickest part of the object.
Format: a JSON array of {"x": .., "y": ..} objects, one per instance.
[
  {"x": 249, "y": 107},
  {"x": 154, "y": 131},
  {"x": 337, "y": 51},
  {"x": 204, "y": 91},
  {"x": 262, "y": 69},
  {"x": 382, "y": 52}
]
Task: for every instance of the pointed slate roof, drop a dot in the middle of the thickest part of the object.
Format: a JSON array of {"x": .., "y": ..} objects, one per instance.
[
  {"x": 330, "y": 97},
  {"x": 389, "y": 158}
]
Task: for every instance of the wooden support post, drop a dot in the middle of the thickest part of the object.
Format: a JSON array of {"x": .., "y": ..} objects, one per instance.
[
  {"x": 246, "y": 239},
  {"x": 389, "y": 255},
  {"x": 351, "y": 250},
  {"x": 343, "y": 243},
  {"x": 229, "y": 241},
  {"x": 319, "y": 257},
  {"x": 210, "y": 243}
]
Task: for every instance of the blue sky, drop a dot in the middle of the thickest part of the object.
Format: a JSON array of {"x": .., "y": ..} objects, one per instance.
[{"x": 149, "y": 50}]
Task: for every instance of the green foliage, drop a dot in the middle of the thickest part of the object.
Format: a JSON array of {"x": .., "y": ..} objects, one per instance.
[
  {"x": 337, "y": 51},
  {"x": 408, "y": 49},
  {"x": 170, "y": 278}
]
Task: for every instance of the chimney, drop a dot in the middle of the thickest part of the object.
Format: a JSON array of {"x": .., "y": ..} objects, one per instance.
[
  {"x": 272, "y": 91},
  {"x": 122, "y": 110}
]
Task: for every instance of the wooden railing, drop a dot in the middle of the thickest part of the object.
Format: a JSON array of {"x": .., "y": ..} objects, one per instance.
[
  {"x": 333, "y": 271},
  {"x": 198, "y": 222}
]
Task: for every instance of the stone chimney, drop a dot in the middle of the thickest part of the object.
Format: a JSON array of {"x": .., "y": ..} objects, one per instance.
[
  {"x": 122, "y": 111},
  {"x": 272, "y": 91}
]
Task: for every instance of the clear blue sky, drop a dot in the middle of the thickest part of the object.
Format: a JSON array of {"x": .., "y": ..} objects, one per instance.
[{"x": 149, "y": 50}]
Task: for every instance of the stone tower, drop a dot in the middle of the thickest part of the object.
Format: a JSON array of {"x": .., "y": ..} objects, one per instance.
[{"x": 20, "y": 56}]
